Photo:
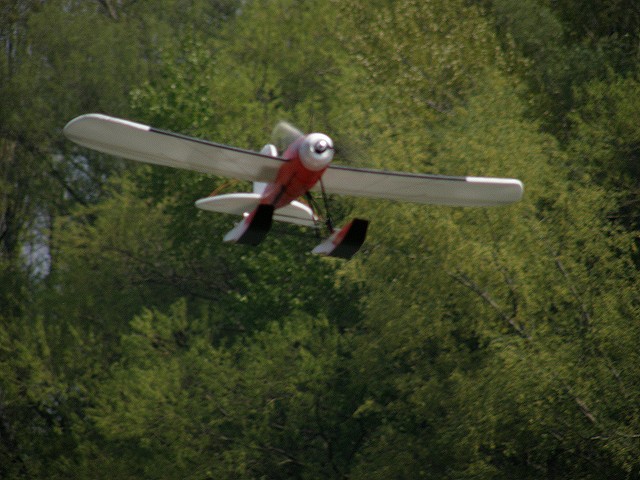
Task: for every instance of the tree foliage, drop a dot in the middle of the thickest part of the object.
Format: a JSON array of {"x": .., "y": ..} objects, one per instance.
[{"x": 459, "y": 343}]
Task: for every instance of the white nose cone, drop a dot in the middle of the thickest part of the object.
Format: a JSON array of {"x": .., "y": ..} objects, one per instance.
[{"x": 316, "y": 151}]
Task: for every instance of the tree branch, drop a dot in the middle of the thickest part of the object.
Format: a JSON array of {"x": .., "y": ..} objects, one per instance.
[
  {"x": 586, "y": 317},
  {"x": 474, "y": 287},
  {"x": 110, "y": 9}
]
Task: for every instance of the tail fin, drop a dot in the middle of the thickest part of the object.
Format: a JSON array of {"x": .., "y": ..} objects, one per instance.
[
  {"x": 344, "y": 243},
  {"x": 253, "y": 228}
]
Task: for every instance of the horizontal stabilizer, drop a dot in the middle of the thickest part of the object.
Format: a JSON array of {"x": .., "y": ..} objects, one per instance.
[{"x": 242, "y": 203}]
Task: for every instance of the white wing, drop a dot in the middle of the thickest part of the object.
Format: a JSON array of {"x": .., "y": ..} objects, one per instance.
[
  {"x": 419, "y": 188},
  {"x": 135, "y": 141},
  {"x": 147, "y": 144}
]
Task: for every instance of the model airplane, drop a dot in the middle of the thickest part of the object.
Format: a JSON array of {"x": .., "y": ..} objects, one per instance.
[{"x": 280, "y": 180}]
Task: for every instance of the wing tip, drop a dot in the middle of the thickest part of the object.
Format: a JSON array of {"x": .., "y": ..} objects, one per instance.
[
  {"x": 72, "y": 125},
  {"x": 513, "y": 189},
  {"x": 78, "y": 127}
]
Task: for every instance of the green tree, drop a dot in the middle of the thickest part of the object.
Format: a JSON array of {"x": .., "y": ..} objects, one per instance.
[
  {"x": 59, "y": 59},
  {"x": 533, "y": 287},
  {"x": 459, "y": 343},
  {"x": 604, "y": 146},
  {"x": 272, "y": 405}
]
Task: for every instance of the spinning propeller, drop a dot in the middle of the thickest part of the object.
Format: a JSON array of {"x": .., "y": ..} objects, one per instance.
[
  {"x": 315, "y": 150},
  {"x": 284, "y": 134}
]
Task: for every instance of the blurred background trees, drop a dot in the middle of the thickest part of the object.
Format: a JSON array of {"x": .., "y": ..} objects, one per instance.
[{"x": 460, "y": 343}]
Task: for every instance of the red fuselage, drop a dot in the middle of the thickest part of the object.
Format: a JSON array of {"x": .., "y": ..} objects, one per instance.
[{"x": 293, "y": 180}]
